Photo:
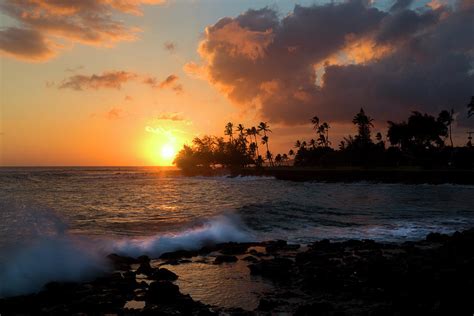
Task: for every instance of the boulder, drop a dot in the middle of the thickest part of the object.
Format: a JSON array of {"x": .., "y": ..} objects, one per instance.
[
  {"x": 162, "y": 292},
  {"x": 164, "y": 274},
  {"x": 224, "y": 258}
]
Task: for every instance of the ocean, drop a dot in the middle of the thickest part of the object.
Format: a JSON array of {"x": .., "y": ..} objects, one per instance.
[{"x": 59, "y": 223}]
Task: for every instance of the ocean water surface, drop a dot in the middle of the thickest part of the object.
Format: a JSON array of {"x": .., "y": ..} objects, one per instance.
[{"x": 57, "y": 223}]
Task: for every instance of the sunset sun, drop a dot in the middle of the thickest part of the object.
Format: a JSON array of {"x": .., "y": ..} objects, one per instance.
[
  {"x": 237, "y": 157},
  {"x": 167, "y": 152}
]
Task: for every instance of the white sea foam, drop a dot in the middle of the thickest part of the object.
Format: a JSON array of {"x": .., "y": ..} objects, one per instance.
[
  {"x": 223, "y": 228},
  {"x": 61, "y": 257},
  {"x": 48, "y": 259}
]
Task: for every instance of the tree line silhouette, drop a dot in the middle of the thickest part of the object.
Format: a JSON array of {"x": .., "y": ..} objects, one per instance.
[{"x": 421, "y": 141}]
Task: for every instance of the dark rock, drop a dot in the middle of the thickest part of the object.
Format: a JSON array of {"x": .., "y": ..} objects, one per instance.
[
  {"x": 256, "y": 253},
  {"x": 179, "y": 254},
  {"x": 121, "y": 262},
  {"x": 162, "y": 292},
  {"x": 268, "y": 304},
  {"x": 145, "y": 268},
  {"x": 319, "y": 308},
  {"x": 164, "y": 274},
  {"x": 143, "y": 259},
  {"x": 436, "y": 237},
  {"x": 250, "y": 259},
  {"x": 275, "y": 245},
  {"x": 277, "y": 269},
  {"x": 224, "y": 258},
  {"x": 233, "y": 248}
]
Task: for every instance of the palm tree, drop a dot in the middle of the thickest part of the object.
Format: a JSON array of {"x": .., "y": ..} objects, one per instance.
[
  {"x": 315, "y": 121},
  {"x": 447, "y": 118},
  {"x": 265, "y": 128},
  {"x": 240, "y": 128},
  {"x": 270, "y": 157},
  {"x": 229, "y": 130},
  {"x": 291, "y": 152},
  {"x": 325, "y": 129},
  {"x": 254, "y": 132},
  {"x": 342, "y": 145},
  {"x": 252, "y": 148},
  {"x": 278, "y": 159},
  {"x": 364, "y": 123},
  {"x": 312, "y": 143},
  {"x": 284, "y": 157},
  {"x": 470, "y": 107},
  {"x": 298, "y": 144}
]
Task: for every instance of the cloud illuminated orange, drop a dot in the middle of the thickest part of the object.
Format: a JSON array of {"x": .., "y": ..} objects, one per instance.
[{"x": 90, "y": 22}]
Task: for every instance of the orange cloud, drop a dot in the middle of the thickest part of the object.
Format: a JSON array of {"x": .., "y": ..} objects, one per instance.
[
  {"x": 170, "y": 116},
  {"x": 77, "y": 21},
  {"x": 114, "y": 114},
  {"x": 237, "y": 40}
]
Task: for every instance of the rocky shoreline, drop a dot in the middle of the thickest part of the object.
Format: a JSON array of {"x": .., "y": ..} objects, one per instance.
[
  {"x": 434, "y": 276},
  {"x": 385, "y": 175}
]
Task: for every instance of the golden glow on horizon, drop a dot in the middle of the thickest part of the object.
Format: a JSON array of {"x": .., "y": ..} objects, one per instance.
[{"x": 160, "y": 150}]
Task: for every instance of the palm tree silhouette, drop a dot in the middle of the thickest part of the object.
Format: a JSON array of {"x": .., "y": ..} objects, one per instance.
[
  {"x": 325, "y": 129},
  {"x": 312, "y": 143},
  {"x": 470, "y": 107},
  {"x": 447, "y": 118},
  {"x": 229, "y": 130},
  {"x": 315, "y": 121},
  {"x": 278, "y": 159},
  {"x": 364, "y": 123},
  {"x": 254, "y": 132},
  {"x": 240, "y": 128},
  {"x": 265, "y": 128}
]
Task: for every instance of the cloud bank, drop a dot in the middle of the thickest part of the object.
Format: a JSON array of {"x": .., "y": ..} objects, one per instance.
[
  {"x": 330, "y": 60},
  {"x": 115, "y": 79},
  {"x": 45, "y": 22}
]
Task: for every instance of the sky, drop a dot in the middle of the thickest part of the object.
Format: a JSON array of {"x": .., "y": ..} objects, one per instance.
[{"x": 128, "y": 82}]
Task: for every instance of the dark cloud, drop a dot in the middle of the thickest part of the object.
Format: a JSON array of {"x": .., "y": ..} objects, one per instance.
[
  {"x": 111, "y": 80},
  {"x": 90, "y": 22},
  {"x": 400, "y": 5},
  {"x": 25, "y": 44},
  {"x": 170, "y": 46},
  {"x": 402, "y": 24},
  {"x": 170, "y": 82},
  {"x": 74, "y": 69},
  {"x": 332, "y": 59},
  {"x": 115, "y": 79}
]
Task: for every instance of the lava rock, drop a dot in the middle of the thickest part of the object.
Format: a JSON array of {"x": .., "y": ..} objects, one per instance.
[
  {"x": 162, "y": 292},
  {"x": 224, "y": 258},
  {"x": 277, "y": 268},
  {"x": 179, "y": 254},
  {"x": 164, "y": 274},
  {"x": 250, "y": 259},
  {"x": 121, "y": 262},
  {"x": 145, "y": 268}
]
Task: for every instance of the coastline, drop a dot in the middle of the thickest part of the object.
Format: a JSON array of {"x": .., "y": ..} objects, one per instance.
[
  {"x": 355, "y": 277},
  {"x": 382, "y": 175}
]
